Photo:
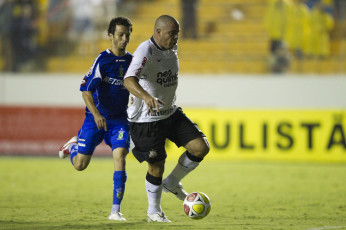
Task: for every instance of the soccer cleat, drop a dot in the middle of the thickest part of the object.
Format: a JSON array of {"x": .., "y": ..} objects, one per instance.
[
  {"x": 64, "y": 151},
  {"x": 158, "y": 217},
  {"x": 116, "y": 216},
  {"x": 177, "y": 190}
]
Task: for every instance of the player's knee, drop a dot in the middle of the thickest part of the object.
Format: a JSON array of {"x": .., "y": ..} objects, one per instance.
[
  {"x": 119, "y": 154},
  {"x": 80, "y": 166},
  {"x": 203, "y": 150},
  {"x": 120, "y": 157},
  {"x": 200, "y": 148}
]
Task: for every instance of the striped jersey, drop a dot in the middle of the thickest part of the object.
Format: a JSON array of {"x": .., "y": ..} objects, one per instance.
[
  {"x": 106, "y": 80},
  {"x": 157, "y": 73}
]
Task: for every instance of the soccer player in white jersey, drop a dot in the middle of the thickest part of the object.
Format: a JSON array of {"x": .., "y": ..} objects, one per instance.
[
  {"x": 106, "y": 101},
  {"x": 152, "y": 79}
]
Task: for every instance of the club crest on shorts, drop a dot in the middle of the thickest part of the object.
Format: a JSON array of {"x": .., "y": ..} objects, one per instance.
[
  {"x": 121, "y": 135},
  {"x": 152, "y": 153}
]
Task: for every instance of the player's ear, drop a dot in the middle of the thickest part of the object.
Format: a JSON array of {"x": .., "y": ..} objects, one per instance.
[{"x": 111, "y": 36}]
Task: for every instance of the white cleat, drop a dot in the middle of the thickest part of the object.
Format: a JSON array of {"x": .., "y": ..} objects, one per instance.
[
  {"x": 116, "y": 216},
  {"x": 158, "y": 217},
  {"x": 177, "y": 190},
  {"x": 64, "y": 151}
]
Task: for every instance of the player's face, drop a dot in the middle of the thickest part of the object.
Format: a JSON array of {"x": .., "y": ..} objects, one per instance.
[
  {"x": 121, "y": 37},
  {"x": 169, "y": 36}
]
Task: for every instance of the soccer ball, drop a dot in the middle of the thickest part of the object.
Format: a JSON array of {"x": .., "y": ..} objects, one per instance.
[{"x": 197, "y": 205}]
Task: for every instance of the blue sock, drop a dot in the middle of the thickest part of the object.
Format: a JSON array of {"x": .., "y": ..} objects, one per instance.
[
  {"x": 73, "y": 151},
  {"x": 119, "y": 180}
]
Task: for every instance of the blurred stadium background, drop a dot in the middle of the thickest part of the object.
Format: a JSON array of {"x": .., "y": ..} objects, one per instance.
[{"x": 252, "y": 101}]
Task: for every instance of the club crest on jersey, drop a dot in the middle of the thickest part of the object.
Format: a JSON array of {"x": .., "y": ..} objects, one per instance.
[{"x": 121, "y": 71}]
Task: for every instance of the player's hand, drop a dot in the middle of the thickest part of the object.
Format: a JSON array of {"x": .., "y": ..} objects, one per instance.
[
  {"x": 153, "y": 104},
  {"x": 100, "y": 122}
]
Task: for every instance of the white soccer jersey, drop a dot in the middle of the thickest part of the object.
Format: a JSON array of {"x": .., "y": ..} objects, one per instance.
[{"x": 157, "y": 71}]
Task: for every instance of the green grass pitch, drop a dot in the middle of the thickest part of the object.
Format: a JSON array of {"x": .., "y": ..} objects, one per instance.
[{"x": 47, "y": 193}]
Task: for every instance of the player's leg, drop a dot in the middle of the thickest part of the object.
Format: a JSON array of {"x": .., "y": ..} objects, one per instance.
[
  {"x": 81, "y": 148},
  {"x": 149, "y": 141},
  {"x": 70, "y": 148},
  {"x": 80, "y": 161},
  {"x": 187, "y": 134},
  {"x": 88, "y": 138},
  {"x": 153, "y": 185},
  {"x": 118, "y": 138},
  {"x": 119, "y": 181}
]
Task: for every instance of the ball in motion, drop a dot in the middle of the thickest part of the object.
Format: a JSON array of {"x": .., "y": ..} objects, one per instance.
[{"x": 197, "y": 205}]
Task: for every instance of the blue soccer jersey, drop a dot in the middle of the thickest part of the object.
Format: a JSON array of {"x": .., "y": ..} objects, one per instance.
[{"x": 106, "y": 79}]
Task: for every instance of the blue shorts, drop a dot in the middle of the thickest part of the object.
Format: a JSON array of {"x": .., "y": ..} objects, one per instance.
[{"x": 116, "y": 136}]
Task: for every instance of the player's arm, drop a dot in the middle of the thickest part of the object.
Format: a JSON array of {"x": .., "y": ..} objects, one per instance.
[
  {"x": 132, "y": 85},
  {"x": 89, "y": 102}
]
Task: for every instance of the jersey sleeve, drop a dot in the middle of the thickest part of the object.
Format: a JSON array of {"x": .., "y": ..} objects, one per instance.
[
  {"x": 140, "y": 58},
  {"x": 93, "y": 79}
]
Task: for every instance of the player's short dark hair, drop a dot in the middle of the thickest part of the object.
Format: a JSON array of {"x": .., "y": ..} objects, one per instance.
[{"x": 124, "y": 21}]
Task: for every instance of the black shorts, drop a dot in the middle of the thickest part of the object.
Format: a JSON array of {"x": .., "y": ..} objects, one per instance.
[{"x": 149, "y": 138}]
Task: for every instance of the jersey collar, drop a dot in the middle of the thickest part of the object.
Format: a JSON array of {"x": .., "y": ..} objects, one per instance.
[{"x": 153, "y": 41}]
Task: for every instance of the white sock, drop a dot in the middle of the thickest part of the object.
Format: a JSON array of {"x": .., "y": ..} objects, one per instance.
[
  {"x": 154, "y": 197},
  {"x": 115, "y": 208},
  {"x": 72, "y": 145},
  {"x": 184, "y": 166}
]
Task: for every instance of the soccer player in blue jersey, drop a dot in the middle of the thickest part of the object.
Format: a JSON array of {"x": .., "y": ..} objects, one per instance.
[{"x": 106, "y": 101}]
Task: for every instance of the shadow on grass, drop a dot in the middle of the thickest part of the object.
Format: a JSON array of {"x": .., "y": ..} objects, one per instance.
[{"x": 97, "y": 225}]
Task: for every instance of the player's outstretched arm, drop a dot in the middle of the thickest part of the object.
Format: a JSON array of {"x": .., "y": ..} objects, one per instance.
[
  {"x": 132, "y": 85},
  {"x": 89, "y": 102}
]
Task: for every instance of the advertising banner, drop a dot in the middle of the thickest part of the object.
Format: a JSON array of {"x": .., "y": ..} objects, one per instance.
[{"x": 297, "y": 135}]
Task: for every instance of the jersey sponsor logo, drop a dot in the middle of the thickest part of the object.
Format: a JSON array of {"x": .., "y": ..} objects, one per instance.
[
  {"x": 167, "y": 78},
  {"x": 140, "y": 68},
  {"x": 120, "y": 60},
  {"x": 162, "y": 112},
  {"x": 113, "y": 81}
]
